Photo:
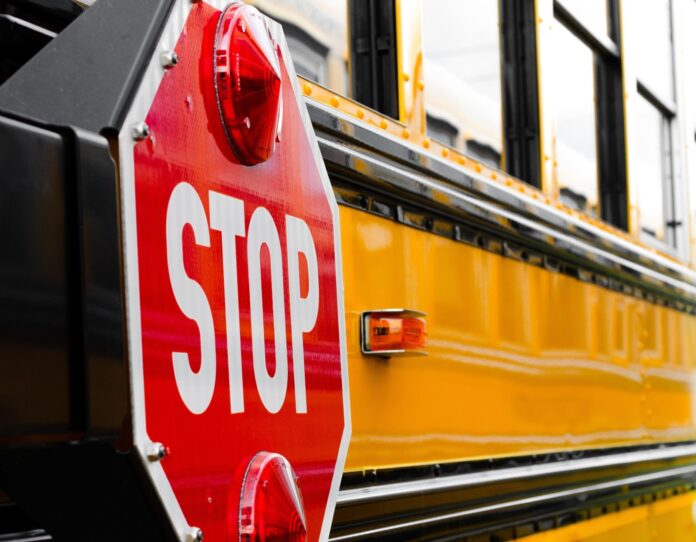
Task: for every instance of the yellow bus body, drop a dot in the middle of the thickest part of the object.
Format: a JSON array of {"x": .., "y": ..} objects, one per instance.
[{"x": 520, "y": 360}]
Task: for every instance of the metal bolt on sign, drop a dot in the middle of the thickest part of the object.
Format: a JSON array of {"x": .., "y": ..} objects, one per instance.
[
  {"x": 140, "y": 131},
  {"x": 157, "y": 451},
  {"x": 169, "y": 59},
  {"x": 196, "y": 535}
]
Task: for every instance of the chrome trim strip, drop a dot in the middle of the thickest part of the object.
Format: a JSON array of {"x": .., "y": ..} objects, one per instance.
[
  {"x": 326, "y": 118},
  {"x": 402, "y": 489},
  {"x": 493, "y": 213},
  {"x": 642, "y": 478}
]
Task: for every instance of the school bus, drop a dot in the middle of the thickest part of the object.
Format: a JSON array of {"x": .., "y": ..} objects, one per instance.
[{"x": 518, "y": 178}]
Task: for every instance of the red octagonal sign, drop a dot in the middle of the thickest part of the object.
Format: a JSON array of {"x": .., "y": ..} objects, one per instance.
[{"x": 233, "y": 280}]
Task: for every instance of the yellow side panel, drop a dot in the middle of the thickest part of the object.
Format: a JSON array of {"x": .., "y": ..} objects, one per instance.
[
  {"x": 521, "y": 359},
  {"x": 671, "y": 520}
]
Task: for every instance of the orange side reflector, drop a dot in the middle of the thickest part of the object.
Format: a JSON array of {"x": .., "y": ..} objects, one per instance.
[{"x": 394, "y": 332}]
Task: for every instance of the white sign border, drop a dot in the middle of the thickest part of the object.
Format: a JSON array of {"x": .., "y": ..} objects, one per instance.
[{"x": 140, "y": 106}]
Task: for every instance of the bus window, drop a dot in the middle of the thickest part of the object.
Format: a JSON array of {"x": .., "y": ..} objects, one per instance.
[
  {"x": 576, "y": 126},
  {"x": 653, "y": 174},
  {"x": 655, "y": 126},
  {"x": 690, "y": 63},
  {"x": 585, "y": 102},
  {"x": 656, "y": 67},
  {"x": 463, "y": 98},
  {"x": 317, "y": 35},
  {"x": 442, "y": 131}
]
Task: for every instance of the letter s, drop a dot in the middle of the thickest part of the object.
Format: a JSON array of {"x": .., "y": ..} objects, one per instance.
[{"x": 196, "y": 388}]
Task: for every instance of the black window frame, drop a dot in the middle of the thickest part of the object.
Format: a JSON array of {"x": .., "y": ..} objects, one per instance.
[
  {"x": 610, "y": 115},
  {"x": 373, "y": 55},
  {"x": 520, "y": 90}
]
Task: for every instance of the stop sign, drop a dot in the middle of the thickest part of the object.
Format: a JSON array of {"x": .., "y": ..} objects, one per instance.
[{"x": 233, "y": 279}]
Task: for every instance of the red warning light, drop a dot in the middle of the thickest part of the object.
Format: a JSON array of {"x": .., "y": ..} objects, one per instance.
[
  {"x": 248, "y": 83},
  {"x": 271, "y": 508}
]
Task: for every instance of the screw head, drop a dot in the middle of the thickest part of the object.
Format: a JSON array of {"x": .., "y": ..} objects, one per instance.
[
  {"x": 157, "y": 451},
  {"x": 169, "y": 59},
  {"x": 196, "y": 535},
  {"x": 140, "y": 131}
]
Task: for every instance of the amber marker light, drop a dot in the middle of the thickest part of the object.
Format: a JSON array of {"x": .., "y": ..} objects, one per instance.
[{"x": 393, "y": 332}]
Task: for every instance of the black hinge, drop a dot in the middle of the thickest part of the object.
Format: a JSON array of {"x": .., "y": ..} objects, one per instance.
[{"x": 610, "y": 131}]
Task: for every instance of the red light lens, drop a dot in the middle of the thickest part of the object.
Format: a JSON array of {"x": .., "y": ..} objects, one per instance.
[
  {"x": 271, "y": 508},
  {"x": 248, "y": 83}
]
